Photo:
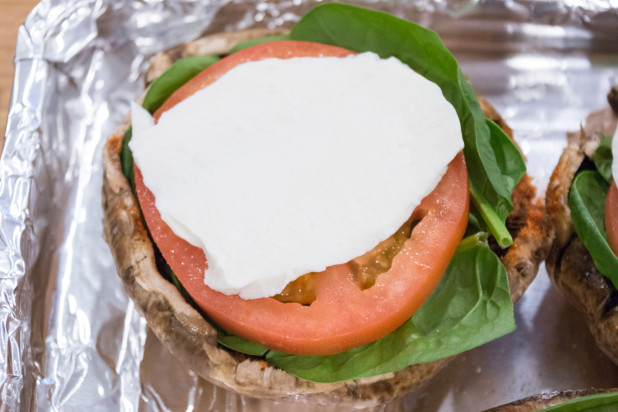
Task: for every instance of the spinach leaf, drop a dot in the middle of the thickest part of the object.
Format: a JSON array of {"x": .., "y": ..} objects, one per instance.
[
  {"x": 260, "y": 40},
  {"x": 470, "y": 306},
  {"x": 587, "y": 203},
  {"x": 601, "y": 402},
  {"x": 475, "y": 222},
  {"x": 126, "y": 159},
  {"x": 511, "y": 163},
  {"x": 603, "y": 158},
  {"x": 178, "y": 74},
  {"x": 363, "y": 30},
  {"x": 513, "y": 168},
  {"x": 173, "y": 78},
  {"x": 239, "y": 344}
]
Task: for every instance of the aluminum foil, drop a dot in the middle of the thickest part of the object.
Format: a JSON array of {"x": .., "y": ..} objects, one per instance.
[{"x": 69, "y": 337}]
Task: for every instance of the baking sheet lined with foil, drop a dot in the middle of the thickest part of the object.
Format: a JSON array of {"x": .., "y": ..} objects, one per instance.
[{"x": 71, "y": 339}]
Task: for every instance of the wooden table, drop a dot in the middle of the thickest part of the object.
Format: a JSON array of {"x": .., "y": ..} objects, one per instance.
[{"x": 12, "y": 15}]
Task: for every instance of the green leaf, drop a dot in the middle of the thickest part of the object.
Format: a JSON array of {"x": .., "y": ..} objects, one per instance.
[
  {"x": 601, "y": 402},
  {"x": 260, "y": 40},
  {"x": 126, "y": 159},
  {"x": 470, "y": 306},
  {"x": 476, "y": 223},
  {"x": 510, "y": 161},
  {"x": 173, "y": 78},
  {"x": 239, "y": 344},
  {"x": 587, "y": 203},
  {"x": 163, "y": 87},
  {"x": 603, "y": 158},
  {"x": 512, "y": 167},
  {"x": 169, "y": 274},
  {"x": 363, "y": 30}
]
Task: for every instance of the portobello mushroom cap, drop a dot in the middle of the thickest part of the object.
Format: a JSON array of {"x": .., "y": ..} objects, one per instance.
[
  {"x": 194, "y": 341},
  {"x": 569, "y": 264},
  {"x": 545, "y": 400}
]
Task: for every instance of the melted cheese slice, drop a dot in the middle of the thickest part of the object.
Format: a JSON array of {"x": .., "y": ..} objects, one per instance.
[{"x": 284, "y": 167}]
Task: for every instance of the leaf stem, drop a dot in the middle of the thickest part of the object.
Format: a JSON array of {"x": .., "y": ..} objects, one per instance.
[
  {"x": 477, "y": 239},
  {"x": 496, "y": 225}
]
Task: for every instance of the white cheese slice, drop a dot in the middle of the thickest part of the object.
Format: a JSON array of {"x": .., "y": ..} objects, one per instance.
[
  {"x": 615, "y": 155},
  {"x": 284, "y": 167}
]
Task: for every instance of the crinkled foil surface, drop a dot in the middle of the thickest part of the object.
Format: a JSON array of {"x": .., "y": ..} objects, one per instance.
[{"x": 69, "y": 337}]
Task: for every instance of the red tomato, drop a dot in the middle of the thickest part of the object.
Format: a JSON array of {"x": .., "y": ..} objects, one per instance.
[
  {"x": 342, "y": 316},
  {"x": 611, "y": 216}
]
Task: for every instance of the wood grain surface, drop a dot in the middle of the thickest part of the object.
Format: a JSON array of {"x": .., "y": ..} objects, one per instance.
[{"x": 12, "y": 15}]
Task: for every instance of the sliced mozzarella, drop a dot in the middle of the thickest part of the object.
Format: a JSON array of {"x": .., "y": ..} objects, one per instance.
[{"x": 284, "y": 167}]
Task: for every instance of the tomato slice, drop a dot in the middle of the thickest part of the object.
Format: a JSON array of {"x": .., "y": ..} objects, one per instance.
[
  {"x": 611, "y": 217},
  {"x": 342, "y": 316}
]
